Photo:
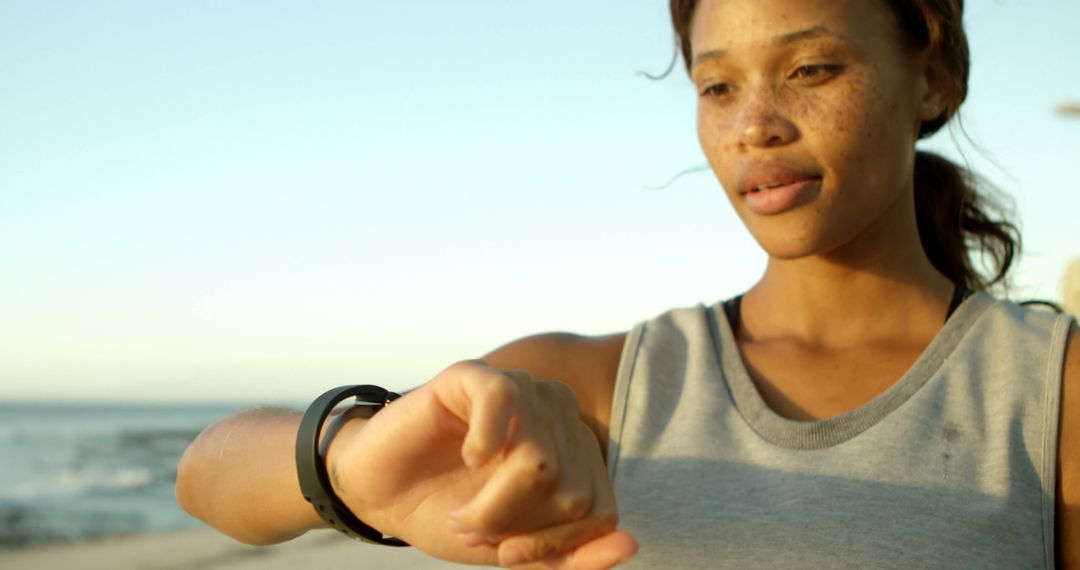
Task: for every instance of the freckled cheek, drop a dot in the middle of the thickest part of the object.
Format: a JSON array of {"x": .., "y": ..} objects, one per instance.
[
  {"x": 847, "y": 119},
  {"x": 714, "y": 131},
  {"x": 881, "y": 134},
  {"x": 710, "y": 129},
  {"x": 846, "y": 129}
]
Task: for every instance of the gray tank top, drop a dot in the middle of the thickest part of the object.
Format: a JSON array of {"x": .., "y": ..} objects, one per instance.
[{"x": 951, "y": 467}]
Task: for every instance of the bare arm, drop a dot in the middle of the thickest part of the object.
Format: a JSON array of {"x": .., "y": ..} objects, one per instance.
[
  {"x": 472, "y": 465},
  {"x": 239, "y": 476},
  {"x": 1068, "y": 492}
]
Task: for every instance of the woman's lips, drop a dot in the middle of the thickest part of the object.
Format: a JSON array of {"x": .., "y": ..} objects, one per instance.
[{"x": 779, "y": 199}]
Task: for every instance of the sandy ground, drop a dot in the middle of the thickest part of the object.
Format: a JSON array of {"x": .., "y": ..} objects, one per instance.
[{"x": 206, "y": 549}]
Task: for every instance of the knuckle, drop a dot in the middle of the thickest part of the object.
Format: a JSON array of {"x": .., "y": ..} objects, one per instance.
[
  {"x": 525, "y": 385},
  {"x": 465, "y": 367},
  {"x": 462, "y": 372},
  {"x": 608, "y": 519},
  {"x": 537, "y": 469},
  {"x": 560, "y": 392},
  {"x": 535, "y": 548},
  {"x": 519, "y": 375},
  {"x": 485, "y": 522},
  {"x": 500, "y": 392},
  {"x": 583, "y": 431},
  {"x": 478, "y": 446},
  {"x": 575, "y": 506},
  {"x": 541, "y": 476}
]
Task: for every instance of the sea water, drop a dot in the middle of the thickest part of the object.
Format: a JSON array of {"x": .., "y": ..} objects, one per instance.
[{"x": 74, "y": 472}]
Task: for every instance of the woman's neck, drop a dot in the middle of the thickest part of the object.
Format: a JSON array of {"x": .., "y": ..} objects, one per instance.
[{"x": 879, "y": 287}]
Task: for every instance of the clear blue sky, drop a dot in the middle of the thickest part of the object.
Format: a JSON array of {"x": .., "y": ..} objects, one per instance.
[{"x": 259, "y": 200}]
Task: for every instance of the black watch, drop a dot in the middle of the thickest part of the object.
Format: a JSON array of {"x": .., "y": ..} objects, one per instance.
[{"x": 311, "y": 468}]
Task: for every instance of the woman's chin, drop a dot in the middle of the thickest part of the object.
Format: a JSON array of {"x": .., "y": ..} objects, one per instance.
[{"x": 792, "y": 244}]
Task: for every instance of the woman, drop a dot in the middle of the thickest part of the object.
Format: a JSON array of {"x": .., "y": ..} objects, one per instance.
[{"x": 864, "y": 404}]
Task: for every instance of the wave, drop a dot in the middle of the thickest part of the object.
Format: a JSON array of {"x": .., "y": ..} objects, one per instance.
[
  {"x": 73, "y": 473},
  {"x": 70, "y": 482}
]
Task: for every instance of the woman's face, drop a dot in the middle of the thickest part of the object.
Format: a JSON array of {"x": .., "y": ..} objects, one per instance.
[{"x": 808, "y": 112}]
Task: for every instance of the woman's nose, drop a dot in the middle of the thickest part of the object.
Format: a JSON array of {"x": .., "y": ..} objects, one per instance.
[{"x": 762, "y": 122}]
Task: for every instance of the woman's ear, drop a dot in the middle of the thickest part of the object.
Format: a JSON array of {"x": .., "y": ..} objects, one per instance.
[{"x": 937, "y": 85}]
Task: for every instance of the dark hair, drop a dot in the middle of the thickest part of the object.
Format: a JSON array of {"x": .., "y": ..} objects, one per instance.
[{"x": 955, "y": 219}]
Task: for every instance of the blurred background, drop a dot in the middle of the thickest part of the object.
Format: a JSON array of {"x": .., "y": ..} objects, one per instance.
[{"x": 211, "y": 205}]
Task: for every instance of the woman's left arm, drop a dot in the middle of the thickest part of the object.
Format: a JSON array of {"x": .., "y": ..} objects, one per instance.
[{"x": 1068, "y": 468}]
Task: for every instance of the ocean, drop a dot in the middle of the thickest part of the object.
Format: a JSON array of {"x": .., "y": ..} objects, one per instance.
[{"x": 77, "y": 472}]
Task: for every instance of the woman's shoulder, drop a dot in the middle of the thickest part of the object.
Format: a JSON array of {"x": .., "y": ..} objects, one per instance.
[
  {"x": 1068, "y": 485},
  {"x": 587, "y": 363},
  {"x": 1023, "y": 325},
  {"x": 579, "y": 360},
  {"x": 558, "y": 354}
]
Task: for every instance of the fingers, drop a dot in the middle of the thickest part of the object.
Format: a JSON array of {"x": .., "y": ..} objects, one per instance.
[
  {"x": 547, "y": 498},
  {"x": 546, "y": 469},
  {"x": 601, "y": 553},
  {"x": 494, "y": 403},
  {"x": 575, "y": 494},
  {"x": 605, "y": 552},
  {"x": 568, "y": 538},
  {"x": 524, "y": 478},
  {"x": 547, "y": 544},
  {"x": 529, "y": 470},
  {"x": 486, "y": 401}
]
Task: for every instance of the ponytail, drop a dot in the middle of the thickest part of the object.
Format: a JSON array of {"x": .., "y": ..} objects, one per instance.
[{"x": 956, "y": 221}]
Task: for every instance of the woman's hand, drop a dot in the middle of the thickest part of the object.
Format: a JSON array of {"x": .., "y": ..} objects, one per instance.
[{"x": 483, "y": 466}]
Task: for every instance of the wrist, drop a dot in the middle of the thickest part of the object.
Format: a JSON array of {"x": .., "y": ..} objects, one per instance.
[
  {"x": 339, "y": 437},
  {"x": 311, "y": 459}
]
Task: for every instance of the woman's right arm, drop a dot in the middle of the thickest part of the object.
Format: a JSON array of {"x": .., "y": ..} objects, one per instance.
[
  {"x": 239, "y": 476},
  {"x": 474, "y": 465}
]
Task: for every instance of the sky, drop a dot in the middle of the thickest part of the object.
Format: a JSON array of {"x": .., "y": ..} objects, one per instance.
[{"x": 259, "y": 200}]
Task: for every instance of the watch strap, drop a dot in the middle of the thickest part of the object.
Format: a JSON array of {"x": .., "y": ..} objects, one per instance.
[{"x": 311, "y": 468}]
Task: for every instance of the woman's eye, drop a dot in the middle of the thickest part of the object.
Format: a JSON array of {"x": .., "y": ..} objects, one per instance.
[
  {"x": 815, "y": 73},
  {"x": 716, "y": 90}
]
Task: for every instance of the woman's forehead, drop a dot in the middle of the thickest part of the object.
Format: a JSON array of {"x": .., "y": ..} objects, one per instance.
[{"x": 722, "y": 25}]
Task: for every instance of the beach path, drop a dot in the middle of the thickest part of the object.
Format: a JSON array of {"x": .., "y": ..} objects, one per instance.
[{"x": 206, "y": 549}]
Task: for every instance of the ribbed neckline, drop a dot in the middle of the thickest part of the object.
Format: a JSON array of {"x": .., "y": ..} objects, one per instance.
[{"x": 833, "y": 431}]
